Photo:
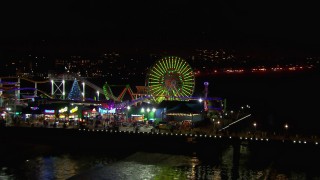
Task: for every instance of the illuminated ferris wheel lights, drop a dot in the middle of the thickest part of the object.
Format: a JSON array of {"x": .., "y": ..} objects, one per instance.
[{"x": 171, "y": 77}]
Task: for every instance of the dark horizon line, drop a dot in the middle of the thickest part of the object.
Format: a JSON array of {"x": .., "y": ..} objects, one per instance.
[{"x": 86, "y": 45}]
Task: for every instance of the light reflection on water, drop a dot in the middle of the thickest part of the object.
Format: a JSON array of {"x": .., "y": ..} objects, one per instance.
[{"x": 156, "y": 166}]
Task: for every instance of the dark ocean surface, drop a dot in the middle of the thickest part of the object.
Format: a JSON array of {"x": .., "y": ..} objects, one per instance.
[{"x": 35, "y": 161}]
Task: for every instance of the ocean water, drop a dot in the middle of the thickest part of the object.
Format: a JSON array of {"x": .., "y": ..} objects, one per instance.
[
  {"x": 47, "y": 162},
  {"x": 275, "y": 98}
]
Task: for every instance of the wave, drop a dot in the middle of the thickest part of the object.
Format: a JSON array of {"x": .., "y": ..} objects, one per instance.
[{"x": 140, "y": 165}]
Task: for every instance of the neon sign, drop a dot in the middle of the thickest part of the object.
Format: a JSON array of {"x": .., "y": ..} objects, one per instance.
[
  {"x": 65, "y": 109},
  {"x": 74, "y": 110},
  {"x": 47, "y": 111}
]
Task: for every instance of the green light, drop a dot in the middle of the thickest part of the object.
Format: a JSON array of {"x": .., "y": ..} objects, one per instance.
[{"x": 171, "y": 77}]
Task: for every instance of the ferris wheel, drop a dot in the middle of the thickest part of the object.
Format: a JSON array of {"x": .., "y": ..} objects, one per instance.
[{"x": 170, "y": 78}]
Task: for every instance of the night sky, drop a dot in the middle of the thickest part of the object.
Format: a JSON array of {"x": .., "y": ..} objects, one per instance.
[{"x": 88, "y": 26}]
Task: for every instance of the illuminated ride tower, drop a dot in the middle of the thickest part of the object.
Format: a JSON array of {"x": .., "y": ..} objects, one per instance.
[{"x": 205, "y": 103}]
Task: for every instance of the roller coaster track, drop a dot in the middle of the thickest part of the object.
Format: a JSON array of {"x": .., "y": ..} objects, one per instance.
[
  {"x": 106, "y": 88},
  {"x": 45, "y": 93},
  {"x": 26, "y": 79},
  {"x": 26, "y": 89},
  {"x": 30, "y": 80},
  {"x": 109, "y": 94},
  {"x": 93, "y": 86}
]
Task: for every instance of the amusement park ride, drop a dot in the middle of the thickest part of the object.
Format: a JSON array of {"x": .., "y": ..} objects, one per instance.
[{"x": 170, "y": 78}]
